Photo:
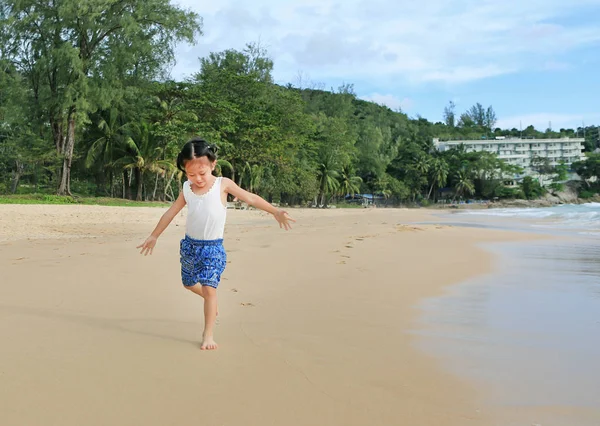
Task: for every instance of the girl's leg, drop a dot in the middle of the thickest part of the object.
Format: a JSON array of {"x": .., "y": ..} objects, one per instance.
[
  {"x": 196, "y": 288},
  {"x": 199, "y": 290},
  {"x": 210, "y": 316}
]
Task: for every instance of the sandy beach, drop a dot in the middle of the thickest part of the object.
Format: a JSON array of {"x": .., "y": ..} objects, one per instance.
[{"x": 314, "y": 324}]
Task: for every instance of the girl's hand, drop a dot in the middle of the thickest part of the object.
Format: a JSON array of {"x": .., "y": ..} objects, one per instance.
[
  {"x": 148, "y": 245},
  {"x": 284, "y": 219}
]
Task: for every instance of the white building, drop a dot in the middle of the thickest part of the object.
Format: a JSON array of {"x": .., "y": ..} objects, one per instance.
[{"x": 521, "y": 152}]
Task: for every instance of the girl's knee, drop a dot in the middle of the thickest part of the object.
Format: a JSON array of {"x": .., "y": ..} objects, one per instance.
[{"x": 209, "y": 291}]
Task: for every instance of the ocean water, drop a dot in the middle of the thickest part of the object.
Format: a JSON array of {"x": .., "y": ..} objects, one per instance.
[
  {"x": 529, "y": 332},
  {"x": 583, "y": 219}
]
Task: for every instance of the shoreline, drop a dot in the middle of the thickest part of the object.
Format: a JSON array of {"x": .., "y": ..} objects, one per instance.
[
  {"x": 502, "y": 331},
  {"x": 317, "y": 317}
]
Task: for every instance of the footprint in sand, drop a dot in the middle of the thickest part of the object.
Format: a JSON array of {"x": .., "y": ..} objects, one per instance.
[
  {"x": 234, "y": 290},
  {"x": 346, "y": 256},
  {"x": 341, "y": 262},
  {"x": 406, "y": 228},
  {"x": 349, "y": 246},
  {"x": 247, "y": 304}
]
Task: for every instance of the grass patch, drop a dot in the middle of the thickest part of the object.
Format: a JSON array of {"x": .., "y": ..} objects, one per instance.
[
  {"x": 344, "y": 205},
  {"x": 92, "y": 201}
]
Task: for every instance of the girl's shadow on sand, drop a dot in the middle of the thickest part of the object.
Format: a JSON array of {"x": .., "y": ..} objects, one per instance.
[{"x": 121, "y": 325}]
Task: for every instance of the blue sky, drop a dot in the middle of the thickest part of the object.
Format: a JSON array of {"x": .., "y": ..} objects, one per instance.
[{"x": 534, "y": 61}]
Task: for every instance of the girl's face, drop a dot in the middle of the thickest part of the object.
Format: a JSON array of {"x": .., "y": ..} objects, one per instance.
[{"x": 199, "y": 171}]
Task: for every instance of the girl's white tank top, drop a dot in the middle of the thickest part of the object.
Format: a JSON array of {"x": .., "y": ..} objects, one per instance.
[{"x": 206, "y": 213}]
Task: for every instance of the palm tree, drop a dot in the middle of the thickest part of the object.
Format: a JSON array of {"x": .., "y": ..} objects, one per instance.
[
  {"x": 464, "y": 184},
  {"x": 439, "y": 174},
  {"x": 144, "y": 153},
  {"x": 106, "y": 146},
  {"x": 173, "y": 113},
  {"x": 223, "y": 164},
  {"x": 422, "y": 164},
  {"x": 349, "y": 184},
  {"x": 327, "y": 175},
  {"x": 252, "y": 174}
]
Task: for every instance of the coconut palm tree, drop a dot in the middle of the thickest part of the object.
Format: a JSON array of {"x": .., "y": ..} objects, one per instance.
[
  {"x": 349, "y": 183},
  {"x": 223, "y": 164},
  {"x": 106, "y": 147},
  {"x": 439, "y": 174},
  {"x": 252, "y": 175},
  {"x": 464, "y": 184},
  {"x": 144, "y": 152},
  {"x": 327, "y": 174}
]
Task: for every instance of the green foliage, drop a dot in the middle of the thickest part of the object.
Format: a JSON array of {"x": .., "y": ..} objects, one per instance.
[
  {"x": 586, "y": 194},
  {"x": 92, "y": 106},
  {"x": 531, "y": 188},
  {"x": 61, "y": 199},
  {"x": 502, "y": 191},
  {"x": 79, "y": 57}
]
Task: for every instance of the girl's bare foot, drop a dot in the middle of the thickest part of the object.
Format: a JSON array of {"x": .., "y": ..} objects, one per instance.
[{"x": 208, "y": 344}]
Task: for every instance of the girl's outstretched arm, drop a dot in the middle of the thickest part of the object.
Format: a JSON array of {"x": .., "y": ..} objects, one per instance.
[
  {"x": 148, "y": 245},
  {"x": 254, "y": 200}
]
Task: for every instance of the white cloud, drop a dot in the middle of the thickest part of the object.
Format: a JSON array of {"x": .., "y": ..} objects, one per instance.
[
  {"x": 385, "y": 41},
  {"x": 391, "y": 101},
  {"x": 541, "y": 121}
]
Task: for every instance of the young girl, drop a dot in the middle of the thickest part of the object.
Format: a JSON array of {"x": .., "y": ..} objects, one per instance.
[{"x": 202, "y": 255}]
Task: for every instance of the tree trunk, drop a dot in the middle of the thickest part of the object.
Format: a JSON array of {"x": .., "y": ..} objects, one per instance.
[
  {"x": 431, "y": 190},
  {"x": 36, "y": 178},
  {"x": 126, "y": 185},
  {"x": 168, "y": 184},
  {"x": 16, "y": 176},
  {"x": 155, "y": 188},
  {"x": 140, "y": 184},
  {"x": 65, "y": 176}
]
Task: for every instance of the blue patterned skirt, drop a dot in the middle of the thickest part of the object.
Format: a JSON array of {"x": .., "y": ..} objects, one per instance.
[{"x": 202, "y": 261}]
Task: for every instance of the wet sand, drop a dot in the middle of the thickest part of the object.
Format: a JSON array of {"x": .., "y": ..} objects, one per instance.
[
  {"x": 314, "y": 326},
  {"x": 526, "y": 333}
]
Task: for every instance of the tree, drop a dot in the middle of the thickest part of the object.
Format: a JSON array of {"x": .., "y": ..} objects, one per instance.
[
  {"x": 464, "y": 184},
  {"x": 449, "y": 114},
  {"x": 327, "y": 175},
  {"x": 478, "y": 116},
  {"x": 349, "y": 183},
  {"x": 76, "y": 57},
  {"x": 144, "y": 153},
  {"x": 490, "y": 118},
  {"x": 531, "y": 188},
  {"x": 439, "y": 174},
  {"x": 542, "y": 166},
  {"x": 588, "y": 169}
]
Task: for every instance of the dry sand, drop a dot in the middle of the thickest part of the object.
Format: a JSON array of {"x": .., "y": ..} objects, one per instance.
[{"x": 313, "y": 328}]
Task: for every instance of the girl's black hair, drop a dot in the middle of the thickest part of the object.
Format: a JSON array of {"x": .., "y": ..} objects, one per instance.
[{"x": 196, "y": 148}]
